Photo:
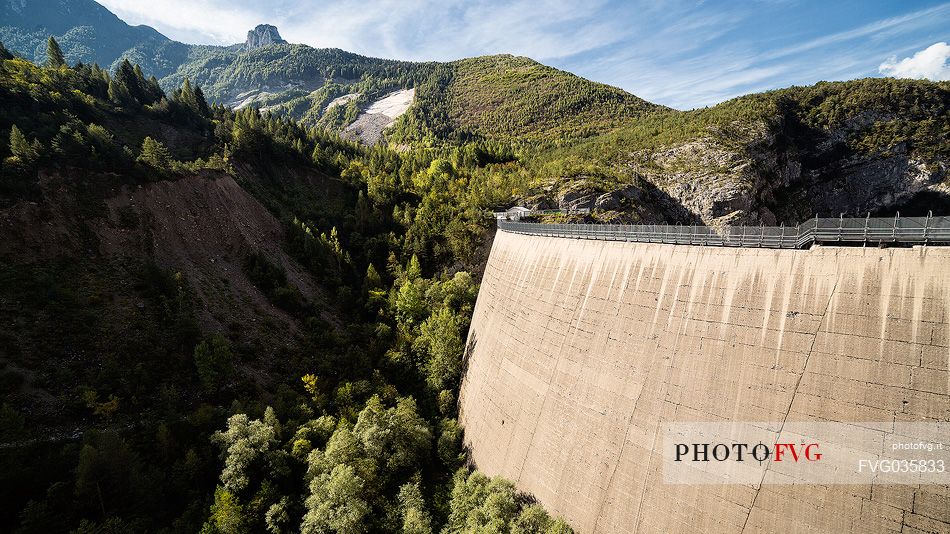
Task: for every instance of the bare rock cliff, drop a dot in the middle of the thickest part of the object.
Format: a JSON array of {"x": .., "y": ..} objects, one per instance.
[
  {"x": 263, "y": 35},
  {"x": 771, "y": 174}
]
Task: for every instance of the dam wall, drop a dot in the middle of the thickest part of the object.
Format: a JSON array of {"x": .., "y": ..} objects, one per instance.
[{"x": 580, "y": 351}]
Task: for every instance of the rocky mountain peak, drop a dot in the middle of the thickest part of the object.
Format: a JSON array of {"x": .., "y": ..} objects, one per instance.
[{"x": 263, "y": 35}]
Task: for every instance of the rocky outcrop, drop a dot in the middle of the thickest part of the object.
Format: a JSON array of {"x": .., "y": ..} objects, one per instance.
[
  {"x": 369, "y": 126},
  {"x": 705, "y": 176},
  {"x": 858, "y": 185},
  {"x": 263, "y": 35},
  {"x": 762, "y": 174},
  {"x": 640, "y": 202}
]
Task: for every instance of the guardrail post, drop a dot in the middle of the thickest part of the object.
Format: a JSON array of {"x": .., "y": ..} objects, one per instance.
[
  {"x": 927, "y": 225},
  {"x": 897, "y": 221},
  {"x": 867, "y": 222},
  {"x": 840, "y": 225}
]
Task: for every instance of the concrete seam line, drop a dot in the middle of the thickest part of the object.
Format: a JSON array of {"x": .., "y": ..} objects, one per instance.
[{"x": 791, "y": 400}]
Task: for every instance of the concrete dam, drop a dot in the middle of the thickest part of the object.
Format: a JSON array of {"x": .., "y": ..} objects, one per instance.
[{"x": 581, "y": 350}]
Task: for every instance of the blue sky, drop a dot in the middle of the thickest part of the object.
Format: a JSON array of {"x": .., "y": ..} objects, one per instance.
[{"x": 684, "y": 54}]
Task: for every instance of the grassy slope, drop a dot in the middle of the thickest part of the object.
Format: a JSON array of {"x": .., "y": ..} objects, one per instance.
[
  {"x": 508, "y": 96},
  {"x": 877, "y": 111}
]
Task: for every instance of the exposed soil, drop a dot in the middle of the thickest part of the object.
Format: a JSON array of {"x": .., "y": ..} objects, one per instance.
[{"x": 204, "y": 227}]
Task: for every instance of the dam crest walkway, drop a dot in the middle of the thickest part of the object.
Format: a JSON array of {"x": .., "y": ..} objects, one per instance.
[{"x": 868, "y": 231}]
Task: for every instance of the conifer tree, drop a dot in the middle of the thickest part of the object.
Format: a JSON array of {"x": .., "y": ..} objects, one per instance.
[
  {"x": 154, "y": 87},
  {"x": 192, "y": 98},
  {"x": 127, "y": 78},
  {"x": 201, "y": 102},
  {"x": 317, "y": 156},
  {"x": 118, "y": 93},
  {"x": 54, "y": 54},
  {"x": 372, "y": 281},
  {"x": 154, "y": 154},
  {"x": 150, "y": 90},
  {"x": 19, "y": 146},
  {"x": 103, "y": 73}
]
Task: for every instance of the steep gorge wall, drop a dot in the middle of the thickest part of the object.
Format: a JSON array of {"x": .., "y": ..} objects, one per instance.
[{"x": 579, "y": 351}]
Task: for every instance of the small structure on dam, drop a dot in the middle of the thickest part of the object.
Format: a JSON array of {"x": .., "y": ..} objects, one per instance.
[{"x": 583, "y": 351}]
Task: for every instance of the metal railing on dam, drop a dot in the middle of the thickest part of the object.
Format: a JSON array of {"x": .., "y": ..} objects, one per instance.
[{"x": 870, "y": 231}]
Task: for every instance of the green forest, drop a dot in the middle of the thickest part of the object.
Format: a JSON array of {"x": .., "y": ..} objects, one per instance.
[{"x": 350, "y": 425}]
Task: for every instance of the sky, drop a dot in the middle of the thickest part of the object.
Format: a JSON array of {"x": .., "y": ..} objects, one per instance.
[{"x": 681, "y": 53}]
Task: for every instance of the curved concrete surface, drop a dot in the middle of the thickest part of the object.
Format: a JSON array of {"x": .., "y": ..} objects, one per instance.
[{"x": 580, "y": 351}]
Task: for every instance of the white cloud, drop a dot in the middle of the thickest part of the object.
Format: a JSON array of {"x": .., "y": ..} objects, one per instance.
[
  {"x": 686, "y": 67},
  {"x": 930, "y": 63},
  {"x": 875, "y": 30},
  {"x": 398, "y": 29},
  {"x": 190, "y": 21}
]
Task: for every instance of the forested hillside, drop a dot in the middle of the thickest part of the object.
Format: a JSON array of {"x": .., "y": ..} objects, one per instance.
[
  {"x": 492, "y": 97},
  {"x": 295, "y": 80},
  {"x": 222, "y": 321}
]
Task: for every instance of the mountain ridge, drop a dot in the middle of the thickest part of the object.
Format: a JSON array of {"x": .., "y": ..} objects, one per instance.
[{"x": 300, "y": 81}]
